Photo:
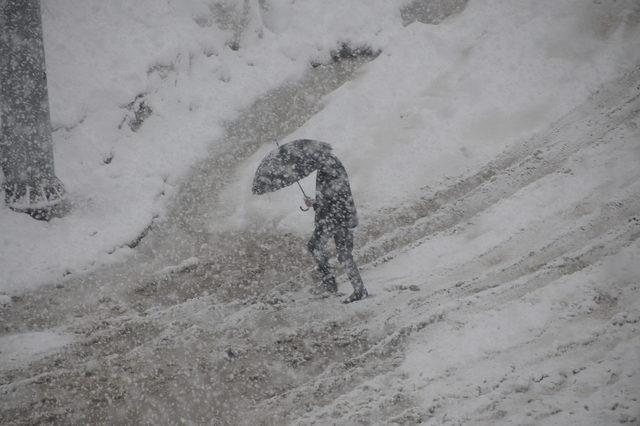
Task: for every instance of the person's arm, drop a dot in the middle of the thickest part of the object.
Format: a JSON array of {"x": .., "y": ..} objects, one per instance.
[{"x": 310, "y": 202}]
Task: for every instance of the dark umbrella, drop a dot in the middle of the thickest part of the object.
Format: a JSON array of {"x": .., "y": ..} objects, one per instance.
[{"x": 288, "y": 164}]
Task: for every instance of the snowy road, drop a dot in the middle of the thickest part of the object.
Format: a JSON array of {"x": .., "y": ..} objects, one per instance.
[{"x": 509, "y": 296}]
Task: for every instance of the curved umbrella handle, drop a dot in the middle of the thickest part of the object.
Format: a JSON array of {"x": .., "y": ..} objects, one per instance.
[{"x": 303, "y": 209}]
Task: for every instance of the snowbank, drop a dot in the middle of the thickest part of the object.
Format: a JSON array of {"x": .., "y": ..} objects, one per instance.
[
  {"x": 512, "y": 298},
  {"x": 442, "y": 100},
  {"x": 138, "y": 93}
]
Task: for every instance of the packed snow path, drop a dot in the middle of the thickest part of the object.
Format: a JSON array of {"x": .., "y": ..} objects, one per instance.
[{"x": 510, "y": 296}]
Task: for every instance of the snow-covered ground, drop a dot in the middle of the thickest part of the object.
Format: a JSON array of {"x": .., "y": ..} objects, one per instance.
[
  {"x": 441, "y": 101},
  {"x": 140, "y": 91},
  {"x": 496, "y": 167}
]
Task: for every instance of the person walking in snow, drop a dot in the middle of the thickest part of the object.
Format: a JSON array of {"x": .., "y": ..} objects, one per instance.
[{"x": 335, "y": 217}]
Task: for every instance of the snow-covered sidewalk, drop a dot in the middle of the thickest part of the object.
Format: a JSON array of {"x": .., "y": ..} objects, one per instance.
[
  {"x": 140, "y": 92},
  {"x": 496, "y": 166}
]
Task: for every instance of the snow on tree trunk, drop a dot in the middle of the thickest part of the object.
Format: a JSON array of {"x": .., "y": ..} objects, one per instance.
[{"x": 26, "y": 146}]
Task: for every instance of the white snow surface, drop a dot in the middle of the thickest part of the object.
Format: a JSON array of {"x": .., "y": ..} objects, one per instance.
[
  {"x": 439, "y": 101},
  {"x": 20, "y": 349},
  {"x": 515, "y": 301},
  {"x": 442, "y": 100},
  {"x": 102, "y": 55},
  {"x": 5, "y": 300}
]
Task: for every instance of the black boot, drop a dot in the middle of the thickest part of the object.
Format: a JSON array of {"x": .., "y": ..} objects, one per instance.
[{"x": 358, "y": 294}]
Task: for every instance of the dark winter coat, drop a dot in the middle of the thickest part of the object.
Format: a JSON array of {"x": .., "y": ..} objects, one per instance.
[{"x": 334, "y": 206}]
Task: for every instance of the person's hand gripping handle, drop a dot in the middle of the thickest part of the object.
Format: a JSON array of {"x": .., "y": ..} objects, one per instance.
[{"x": 307, "y": 202}]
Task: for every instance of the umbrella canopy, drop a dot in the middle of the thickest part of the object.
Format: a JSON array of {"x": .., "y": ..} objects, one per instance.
[{"x": 289, "y": 163}]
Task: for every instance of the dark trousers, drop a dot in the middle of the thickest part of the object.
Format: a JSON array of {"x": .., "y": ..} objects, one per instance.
[{"x": 343, "y": 238}]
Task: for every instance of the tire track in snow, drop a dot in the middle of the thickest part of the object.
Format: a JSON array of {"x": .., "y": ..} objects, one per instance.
[
  {"x": 604, "y": 235},
  {"x": 589, "y": 124},
  {"x": 134, "y": 357}
]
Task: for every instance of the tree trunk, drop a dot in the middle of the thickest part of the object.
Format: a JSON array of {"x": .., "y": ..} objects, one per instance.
[{"x": 26, "y": 146}]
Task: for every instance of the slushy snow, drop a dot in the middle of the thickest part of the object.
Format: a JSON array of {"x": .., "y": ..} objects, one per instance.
[
  {"x": 494, "y": 160},
  {"x": 106, "y": 58}
]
